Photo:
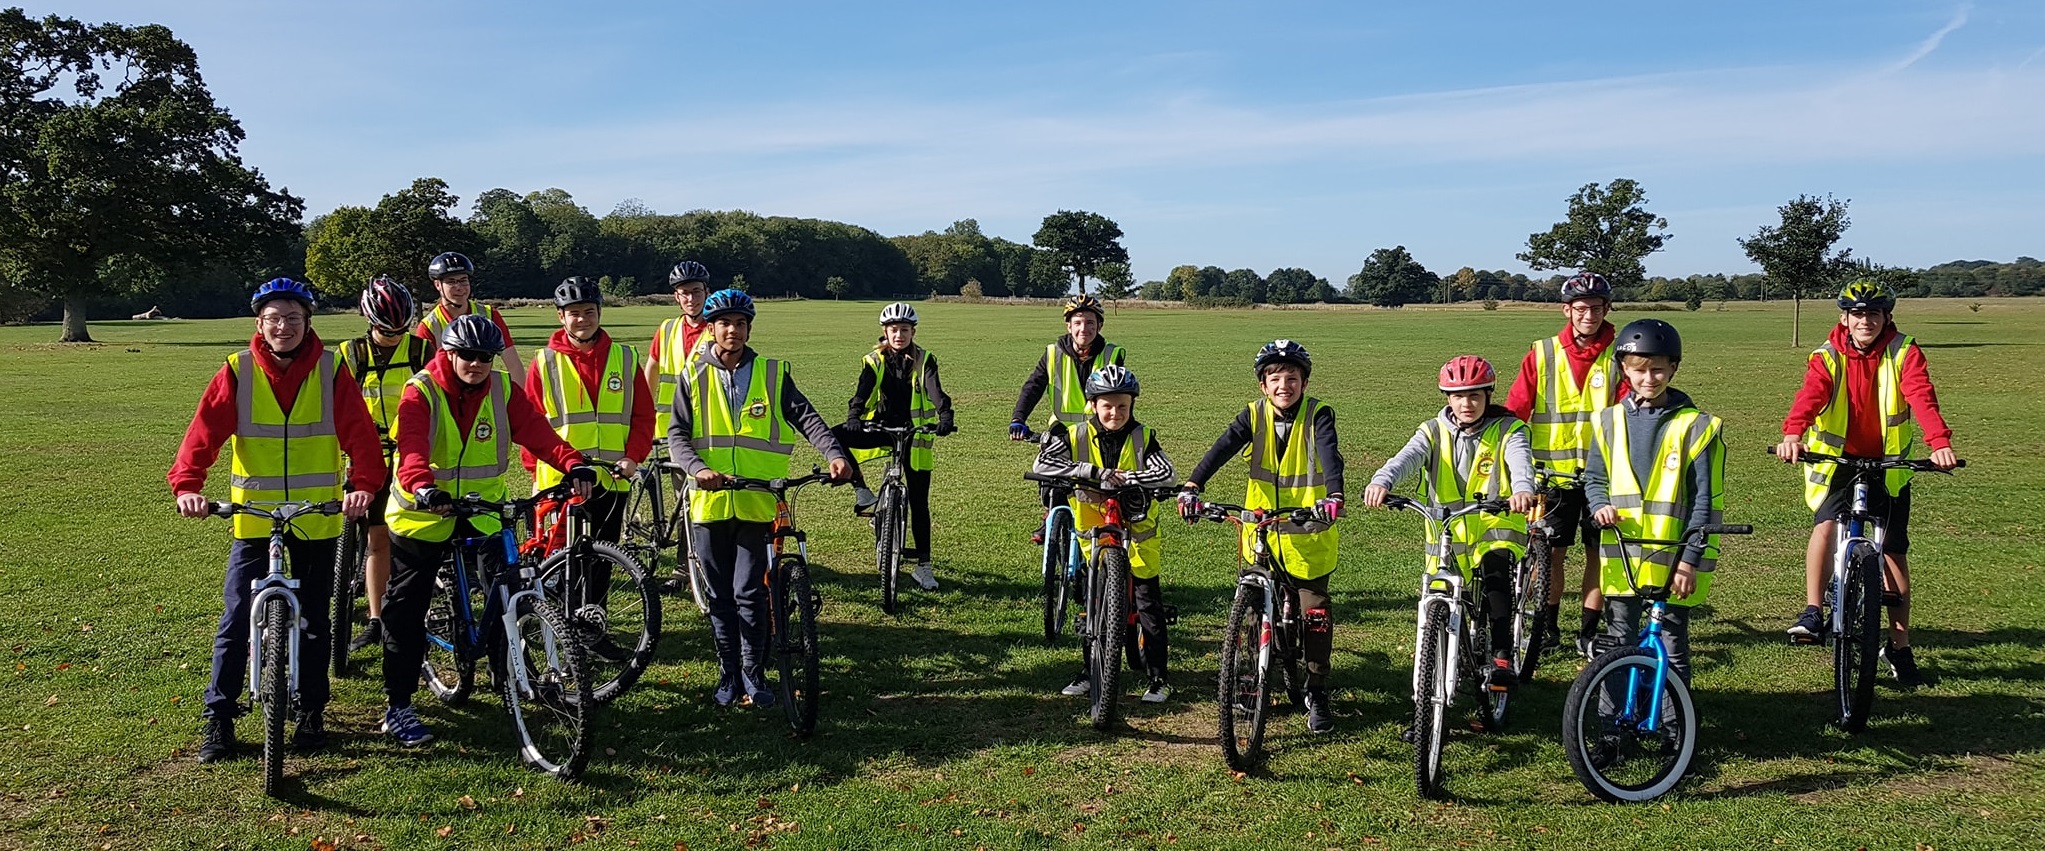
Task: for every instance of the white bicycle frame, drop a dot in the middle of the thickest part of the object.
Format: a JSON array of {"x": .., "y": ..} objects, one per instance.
[
  {"x": 1443, "y": 587},
  {"x": 1843, "y": 540},
  {"x": 271, "y": 586}
]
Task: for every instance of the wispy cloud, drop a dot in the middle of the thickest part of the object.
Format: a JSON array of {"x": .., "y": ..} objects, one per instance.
[{"x": 1925, "y": 47}]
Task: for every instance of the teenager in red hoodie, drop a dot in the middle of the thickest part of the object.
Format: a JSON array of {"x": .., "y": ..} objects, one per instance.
[
  {"x": 319, "y": 399},
  {"x": 1867, "y": 354}
]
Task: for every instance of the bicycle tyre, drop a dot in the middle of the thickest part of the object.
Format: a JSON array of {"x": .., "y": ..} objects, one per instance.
[
  {"x": 795, "y": 649},
  {"x": 276, "y": 697},
  {"x": 1057, "y": 591},
  {"x": 450, "y": 662},
  {"x": 1430, "y": 700},
  {"x": 887, "y": 546},
  {"x": 1854, "y": 651},
  {"x": 643, "y": 534},
  {"x": 1241, "y": 695},
  {"x": 1601, "y": 751},
  {"x": 1288, "y": 648},
  {"x": 632, "y": 628},
  {"x": 1493, "y": 708},
  {"x": 350, "y": 553},
  {"x": 550, "y": 715},
  {"x": 1530, "y": 599},
  {"x": 1108, "y": 624}
]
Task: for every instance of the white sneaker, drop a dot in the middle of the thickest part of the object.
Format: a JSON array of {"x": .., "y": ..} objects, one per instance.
[
  {"x": 1079, "y": 687},
  {"x": 1159, "y": 691},
  {"x": 925, "y": 576}
]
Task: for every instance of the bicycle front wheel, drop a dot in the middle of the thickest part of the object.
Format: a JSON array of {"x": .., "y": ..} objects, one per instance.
[
  {"x": 887, "y": 545},
  {"x": 1057, "y": 592},
  {"x": 1529, "y": 598},
  {"x": 1614, "y": 751},
  {"x": 613, "y": 605},
  {"x": 450, "y": 663},
  {"x": 1433, "y": 684},
  {"x": 1854, "y": 649},
  {"x": 548, "y": 696},
  {"x": 795, "y": 649},
  {"x": 275, "y": 697},
  {"x": 1107, "y": 624},
  {"x": 349, "y": 554},
  {"x": 1244, "y": 702}
]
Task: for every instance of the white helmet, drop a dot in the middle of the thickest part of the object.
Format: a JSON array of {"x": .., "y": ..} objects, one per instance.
[{"x": 897, "y": 313}]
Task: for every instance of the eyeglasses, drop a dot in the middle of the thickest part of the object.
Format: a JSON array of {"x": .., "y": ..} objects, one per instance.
[
  {"x": 1586, "y": 309},
  {"x": 292, "y": 321},
  {"x": 473, "y": 356}
]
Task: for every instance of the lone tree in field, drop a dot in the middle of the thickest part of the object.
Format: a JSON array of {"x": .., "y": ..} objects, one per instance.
[
  {"x": 1081, "y": 242},
  {"x": 117, "y": 170},
  {"x": 1607, "y": 231},
  {"x": 1797, "y": 254},
  {"x": 1391, "y": 278},
  {"x": 1116, "y": 281}
]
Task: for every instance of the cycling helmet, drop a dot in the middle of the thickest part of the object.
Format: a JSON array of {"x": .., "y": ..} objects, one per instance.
[
  {"x": 1081, "y": 302},
  {"x": 1867, "y": 295},
  {"x": 687, "y": 271},
  {"x": 281, "y": 288},
  {"x": 449, "y": 263},
  {"x": 388, "y": 305},
  {"x": 1650, "y": 337},
  {"x": 577, "y": 290},
  {"x": 1285, "y": 351},
  {"x": 1112, "y": 378},
  {"x": 1467, "y": 372},
  {"x": 472, "y": 333},
  {"x": 1586, "y": 285},
  {"x": 897, "y": 313},
  {"x": 728, "y": 301}
]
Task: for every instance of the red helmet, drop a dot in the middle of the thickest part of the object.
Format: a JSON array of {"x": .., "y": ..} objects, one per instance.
[
  {"x": 388, "y": 305},
  {"x": 1467, "y": 372}
]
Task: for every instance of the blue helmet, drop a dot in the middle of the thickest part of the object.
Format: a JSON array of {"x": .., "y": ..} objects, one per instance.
[
  {"x": 281, "y": 288},
  {"x": 728, "y": 301}
]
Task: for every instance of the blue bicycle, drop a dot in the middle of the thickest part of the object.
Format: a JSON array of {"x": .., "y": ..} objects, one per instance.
[{"x": 1629, "y": 726}]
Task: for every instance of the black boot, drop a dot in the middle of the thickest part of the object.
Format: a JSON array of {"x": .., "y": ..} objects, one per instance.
[
  {"x": 1320, "y": 718},
  {"x": 218, "y": 742},
  {"x": 371, "y": 634},
  {"x": 311, "y": 733}
]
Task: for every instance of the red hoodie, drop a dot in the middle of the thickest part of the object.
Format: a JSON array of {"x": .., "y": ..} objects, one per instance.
[
  {"x": 1863, "y": 419},
  {"x": 213, "y": 423},
  {"x": 1520, "y": 400},
  {"x": 528, "y": 428},
  {"x": 589, "y": 366}
]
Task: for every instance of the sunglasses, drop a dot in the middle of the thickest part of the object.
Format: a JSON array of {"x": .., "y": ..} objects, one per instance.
[{"x": 473, "y": 356}]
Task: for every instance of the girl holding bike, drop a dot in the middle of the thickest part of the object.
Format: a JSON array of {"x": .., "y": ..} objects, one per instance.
[{"x": 898, "y": 387}]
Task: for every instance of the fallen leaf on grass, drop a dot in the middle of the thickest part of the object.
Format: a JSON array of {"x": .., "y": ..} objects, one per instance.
[
  {"x": 467, "y": 802},
  {"x": 444, "y": 831},
  {"x": 51, "y": 702}
]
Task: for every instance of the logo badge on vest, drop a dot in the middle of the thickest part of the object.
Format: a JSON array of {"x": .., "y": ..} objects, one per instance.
[
  {"x": 758, "y": 410},
  {"x": 1671, "y": 462},
  {"x": 482, "y": 431},
  {"x": 1484, "y": 465},
  {"x": 1598, "y": 380},
  {"x": 615, "y": 384}
]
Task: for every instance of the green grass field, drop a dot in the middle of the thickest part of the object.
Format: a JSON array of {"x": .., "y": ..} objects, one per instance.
[{"x": 942, "y": 727}]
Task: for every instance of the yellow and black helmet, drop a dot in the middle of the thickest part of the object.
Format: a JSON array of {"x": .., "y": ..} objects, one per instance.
[
  {"x": 1867, "y": 295},
  {"x": 1081, "y": 302}
]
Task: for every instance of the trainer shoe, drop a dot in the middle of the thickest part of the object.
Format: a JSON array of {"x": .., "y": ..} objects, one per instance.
[
  {"x": 311, "y": 733},
  {"x": 1809, "y": 626},
  {"x": 863, "y": 500},
  {"x": 1079, "y": 687},
  {"x": 371, "y": 634},
  {"x": 1500, "y": 678},
  {"x": 757, "y": 692},
  {"x": 1159, "y": 691},
  {"x": 218, "y": 742},
  {"x": 1320, "y": 719},
  {"x": 1587, "y": 645},
  {"x": 1037, "y": 536},
  {"x": 726, "y": 692},
  {"x": 1903, "y": 664},
  {"x": 925, "y": 576},
  {"x": 403, "y": 724}
]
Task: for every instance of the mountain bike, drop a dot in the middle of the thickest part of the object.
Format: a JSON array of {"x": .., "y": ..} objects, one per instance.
[
  {"x": 276, "y": 626},
  {"x": 351, "y": 553},
  {"x": 657, "y": 520},
  {"x": 1266, "y": 630},
  {"x": 1629, "y": 726},
  {"x": 794, "y": 601},
  {"x": 1450, "y": 641},
  {"x": 539, "y": 667},
  {"x": 1853, "y": 600},
  {"x": 1536, "y": 576},
  {"x": 891, "y": 512},
  {"x": 1101, "y": 585},
  {"x": 608, "y": 598}
]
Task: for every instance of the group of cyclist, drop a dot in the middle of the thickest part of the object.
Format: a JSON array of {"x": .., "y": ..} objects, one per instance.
[{"x": 438, "y": 415}]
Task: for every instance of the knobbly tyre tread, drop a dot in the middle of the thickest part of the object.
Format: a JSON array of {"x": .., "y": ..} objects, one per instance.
[
  {"x": 796, "y": 651},
  {"x": 565, "y": 697},
  {"x": 887, "y": 547},
  {"x": 350, "y": 554},
  {"x": 1238, "y": 657},
  {"x": 275, "y": 701},
  {"x": 1527, "y": 606},
  {"x": 614, "y": 679},
  {"x": 1110, "y": 615},
  {"x": 1430, "y": 717},
  {"x": 1854, "y": 653},
  {"x": 1057, "y": 592}
]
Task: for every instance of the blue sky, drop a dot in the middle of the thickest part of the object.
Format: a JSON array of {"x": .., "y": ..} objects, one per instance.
[{"x": 1259, "y": 135}]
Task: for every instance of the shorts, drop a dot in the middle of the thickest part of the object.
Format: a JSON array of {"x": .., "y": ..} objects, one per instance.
[
  {"x": 1895, "y": 511},
  {"x": 377, "y": 505},
  {"x": 1570, "y": 515}
]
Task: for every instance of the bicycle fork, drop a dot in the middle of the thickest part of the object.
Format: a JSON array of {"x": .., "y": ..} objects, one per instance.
[
  {"x": 1845, "y": 537},
  {"x": 272, "y": 586},
  {"x": 1440, "y": 588},
  {"x": 1651, "y": 638}
]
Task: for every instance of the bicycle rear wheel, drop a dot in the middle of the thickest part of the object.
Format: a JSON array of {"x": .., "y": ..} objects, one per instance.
[
  {"x": 795, "y": 648},
  {"x": 619, "y": 624},
  {"x": 349, "y": 553},
  {"x": 1057, "y": 591},
  {"x": 275, "y": 697},
  {"x": 645, "y": 523},
  {"x": 887, "y": 545},
  {"x": 1529, "y": 598},
  {"x": 450, "y": 663},
  {"x": 549, "y": 700},
  {"x": 1107, "y": 624},
  {"x": 1431, "y": 677},
  {"x": 1604, "y": 727},
  {"x": 1244, "y": 702},
  {"x": 1854, "y": 650}
]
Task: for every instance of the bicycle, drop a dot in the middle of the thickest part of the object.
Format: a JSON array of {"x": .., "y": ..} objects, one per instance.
[
  {"x": 276, "y": 626},
  {"x": 891, "y": 512},
  {"x": 1617, "y": 716},
  {"x": 1852, "y": 604},
  {"x": 618, "y": 617},
  {"x": 1533, "y": 580},
  {"x": 351, "y": 555},
  {"x": 1266, "y": 630},
  {"x": 653, "y": 526},
  {"x": 1450, "y": 642},
  {"x": 540, "y": 669},
  {"x": 794, "y": 601}
]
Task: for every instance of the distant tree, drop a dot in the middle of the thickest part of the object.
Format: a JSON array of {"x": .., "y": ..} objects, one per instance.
[
  {"x": 1391, "y": 278},
  {"x": 1606, "y": 231},
  {"x": 1797, "y": 253},
  {"x": 836, "y": 286},
  {"x": 1244, "y": 285},
  {"x": 1165, "y": 290},
  {"x": 1185, "y": 282},
  {"x": 1081, "y": 241},
  {"x": 619, "y": 288},
  {"x": 397, "y": 237},
  {"x": 1323, "y": 292},
  {"x": 1289, "y": 285},
  {"x": 738, "y": 282},
  {"x": 1115, "y": 281}
]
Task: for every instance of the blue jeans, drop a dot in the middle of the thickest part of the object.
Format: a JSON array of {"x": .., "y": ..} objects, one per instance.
[
  {"x": 735, "y": 565},
  {"x": 248, "y": 559}
]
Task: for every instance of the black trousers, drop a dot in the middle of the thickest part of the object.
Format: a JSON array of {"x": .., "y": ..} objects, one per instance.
[
  {"x": 248, "y": 559},
  {"x": 414, "y": 566},
  {"x": 1496, "y": 569},
  {"x": 917, "y": 480},
  {"x": 1318, "y": 644},
  {"x": 735, "y": 565}
]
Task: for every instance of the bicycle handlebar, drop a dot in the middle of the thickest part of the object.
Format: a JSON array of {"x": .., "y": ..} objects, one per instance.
[
  {"x": 898, "y": 431},
  {"x": 1922, "y": 465},
  {"x": 1555, "y": 478},
  {"x": 1441, "y": 514},
  {"x": 1224, "y": 512},
  {"x": 778, "y": 486},
  {"x": 1158, "y": 493},
  {"x": 278, "y": 512}
]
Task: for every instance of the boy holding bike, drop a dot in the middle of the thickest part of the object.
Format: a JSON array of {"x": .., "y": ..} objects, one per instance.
[
  {"x": 1294, "y": 463},
  {"x": 1111, "y": 447},
  {"x": 383, "y": 359},
  {"x": 1862, "y": 391},
  {"x": 1656, "y": 468},
  {"x": 898, "y": 387},
  {"x": 287, "y": 412},
  {"x": 1473, "y": 450},
  {"x": 453, "y": 276},
  {"x": 737, "y": 414},
  {"x": 1062, "y": 370}
]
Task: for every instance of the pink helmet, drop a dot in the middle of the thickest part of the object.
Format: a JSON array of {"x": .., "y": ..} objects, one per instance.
[{"x": 1467, "y": 372}]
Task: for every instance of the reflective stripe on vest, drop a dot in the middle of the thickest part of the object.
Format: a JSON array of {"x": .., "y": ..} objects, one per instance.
[
  {"x": 922, "y": 410},
  {"x": 1828, "y": 432},
  {"x": 1659, "y": 508},
  {"x": 284, "y": 457},
  {"x": 1288, "y": 476},
  {"x": 1472, "y": 536},
  {"x": 383, "y": 386},
  {"x": 437, "y": 320},
  {"x": 1068, "y": 384},
  {"x": 463, "y": 462},
  {"x": 676, "y": 356},
  {"x": 596, "y": 427},
  {"x": 1561, "y": 424},
  {"x": 752, "y": 441},
  {"x": 1143, "y": 546}
]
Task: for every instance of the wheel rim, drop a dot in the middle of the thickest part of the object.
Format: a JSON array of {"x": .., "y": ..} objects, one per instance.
[
  {"x": 1627, "y": 761},
  {"x": 550, "y": 707}
]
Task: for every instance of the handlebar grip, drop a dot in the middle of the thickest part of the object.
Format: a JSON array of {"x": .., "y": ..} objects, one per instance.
[
  {"x": 220, "y": 509},
  {"x": 1725, "y": 529},
  {"x": 1049, "y": 480},
  {"x": 1959, "y": 463}
]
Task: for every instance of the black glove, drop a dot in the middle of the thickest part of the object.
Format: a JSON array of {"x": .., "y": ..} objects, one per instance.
[
  {"x": 430, "y": 497},
  {"x": 945, "y": 426},
  {"x": 581, "y": 474}
]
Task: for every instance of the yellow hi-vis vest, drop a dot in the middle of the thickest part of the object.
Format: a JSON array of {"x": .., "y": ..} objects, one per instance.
[
  {"x": 1068, "y": 384},
  {"x": 437, "y": 319},
  {"x": 753, "y": 441},
  {"x": 1828, "y": 432},
  {"x": 1288, "y": 476},
  {"x": 463, "y": 462},
  {"x": 383, "y": 386},
  {"x": 285, "y": 457},
  {"x": 922, "y": 407},
  {"x": 1143, "y": 545},
  {"x": 1561, "y": 427},
  {"x": 596, "y": 425},
  {"x": 1658, "y": 508},
  {"x": 669, "y": 370},
  {"x": 1472, "y": 536}
]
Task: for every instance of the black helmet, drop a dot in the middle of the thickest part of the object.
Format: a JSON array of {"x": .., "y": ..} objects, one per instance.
[
  {"x": 1112, "y": 378},
  {"x": 1650, "y": 337},
  {"x": 472, "y": 333},
  {"x": 1586, "y": 285},
  {"x": 686, "y": 272},
  {"x": 449, "y": 263},
  {"x": 1285, "y": 351},
  {"x": 578, "y": 290}
]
